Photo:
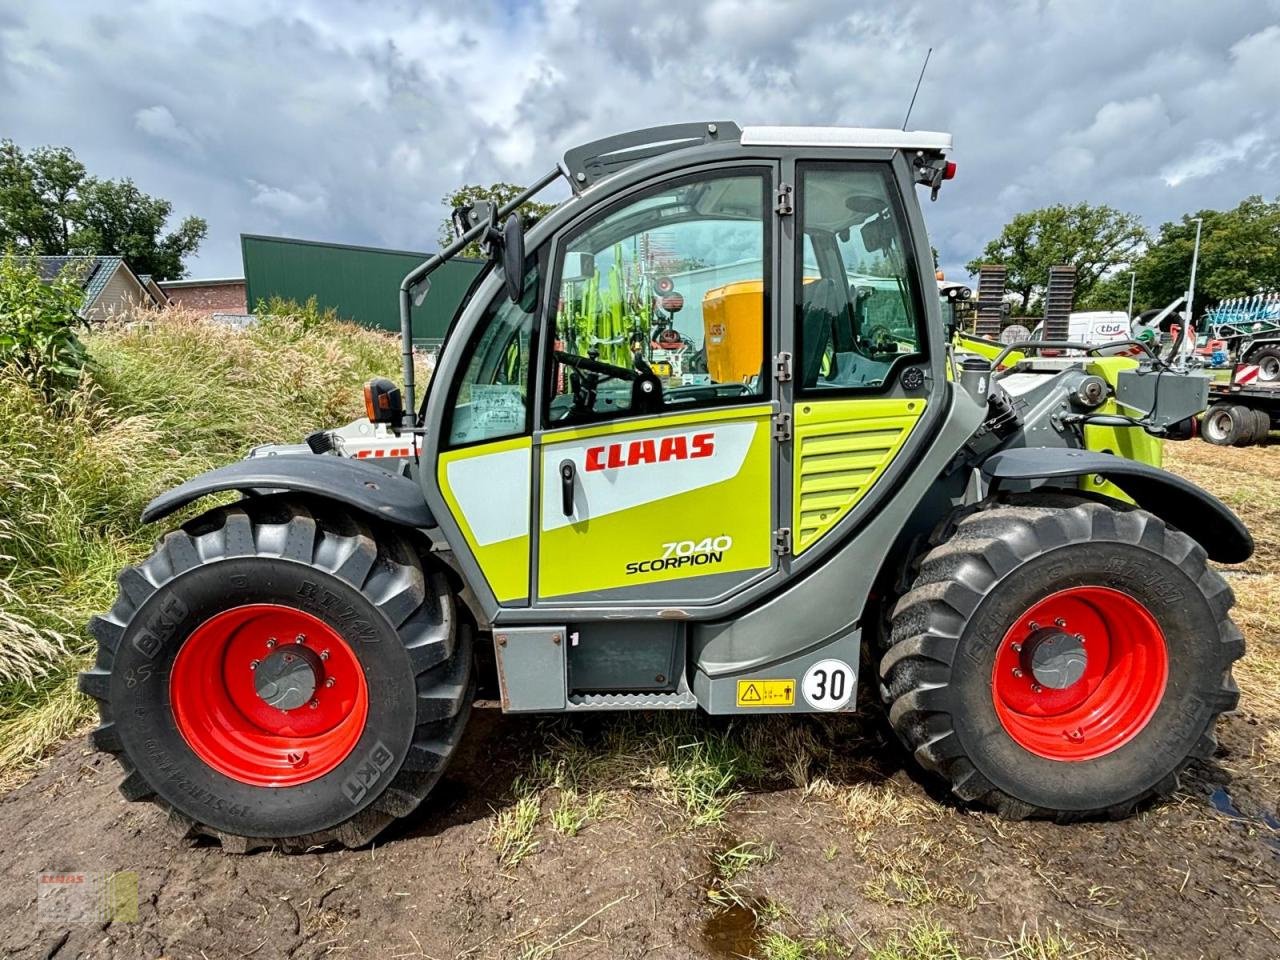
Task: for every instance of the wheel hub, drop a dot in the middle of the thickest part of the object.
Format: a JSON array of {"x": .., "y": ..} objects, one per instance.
[
  {"x": 269, "y": 695},
  {"x": 1079, "y": 673},
  {"x": 289, "y": 677},
  {"x": 1054, "y": 657}
]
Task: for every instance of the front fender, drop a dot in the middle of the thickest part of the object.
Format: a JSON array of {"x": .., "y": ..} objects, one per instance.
[
  {"x": 1180, "y": 503},
  {"x": 352, "y": 482}
]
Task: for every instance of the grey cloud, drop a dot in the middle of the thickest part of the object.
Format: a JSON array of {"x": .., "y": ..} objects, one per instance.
[{"x": 348, "y": 121}]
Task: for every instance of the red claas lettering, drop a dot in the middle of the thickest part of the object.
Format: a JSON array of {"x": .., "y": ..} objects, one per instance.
[{"x": 614, "y": 456}]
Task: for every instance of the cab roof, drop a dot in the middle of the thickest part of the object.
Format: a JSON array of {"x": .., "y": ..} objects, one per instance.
[
  {"x": 591, "y": 162},
  {"x": 927, "y": 140}
]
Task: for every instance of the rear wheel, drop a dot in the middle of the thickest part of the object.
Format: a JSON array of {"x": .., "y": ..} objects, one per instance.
[
  {"x": 1268, "y": 361},
  {"x": 278, "y": 675},
  {"x": 1261, "y": 425},
  {"x": 1225, "y": 424},
  {"x": 1061, "y": 662}
]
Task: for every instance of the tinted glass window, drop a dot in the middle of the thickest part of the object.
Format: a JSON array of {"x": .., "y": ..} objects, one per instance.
[
  {"x": 672, "y": 288},
  {"x": 492, "y": 396},
  {"x": 857, "y": 318}
]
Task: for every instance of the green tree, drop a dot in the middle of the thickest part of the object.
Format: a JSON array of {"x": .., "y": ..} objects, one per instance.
[
  {"x": 497, "y": 194},
  {"x": 1239, "y": 255},
  {"x": 1098, "y": 241},
  {"x": 26, "y": 221},
  {"x": 114, "y": 216},
  {"x": 38, "y": 322},
  {"x": 49, "y": 204}
]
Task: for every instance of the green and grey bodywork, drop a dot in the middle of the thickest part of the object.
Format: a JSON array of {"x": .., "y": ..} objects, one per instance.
[{"x": 647, "y": 651}]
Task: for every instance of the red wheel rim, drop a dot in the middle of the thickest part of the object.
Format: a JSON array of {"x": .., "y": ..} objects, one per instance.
[
  {"x": 1125, "y": 669},
  {"x": 231, "y": 727}
]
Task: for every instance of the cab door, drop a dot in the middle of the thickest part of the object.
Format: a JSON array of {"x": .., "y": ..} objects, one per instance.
[
  {"x": 656, "y": 467},
  {"x": 863, "y": 371}
]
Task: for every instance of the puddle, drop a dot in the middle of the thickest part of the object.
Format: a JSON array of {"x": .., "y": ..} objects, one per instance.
[
  {"x": 732, "y": 931},
  {"x": 1224, "y": 804}
]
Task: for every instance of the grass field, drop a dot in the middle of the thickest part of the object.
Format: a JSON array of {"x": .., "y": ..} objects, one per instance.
[
  {"x": 163, "y": 400},
  {"x": 584, "y": 836}
]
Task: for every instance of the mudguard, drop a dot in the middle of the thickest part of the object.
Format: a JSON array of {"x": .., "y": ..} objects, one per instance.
[
  {"x": 352, "y": 482},
  {"x": 1196, "y": 512}
]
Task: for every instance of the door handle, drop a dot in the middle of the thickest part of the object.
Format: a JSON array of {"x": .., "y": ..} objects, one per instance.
[{"x": 568, "y": 473}]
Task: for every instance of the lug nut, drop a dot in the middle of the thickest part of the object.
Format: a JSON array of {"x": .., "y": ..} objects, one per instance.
[
  {"x": 1036, "y": 688},
  {"x": 1060, "y": 622},
  {"x": 1033, "y": 625},
  {"x": 1017, "y": 648},
  {"x": 1079, "y": 638},
  {"x": 313, "y": 704},
  {"x": 324, "y": 654},
  {"x": 330, "y": 682},
  {"x": 1017, "y": 671},
  {"x": 271, "y": 643},
  {"x": 253, "y": 664},
  {"x": 300, "y": 638}
]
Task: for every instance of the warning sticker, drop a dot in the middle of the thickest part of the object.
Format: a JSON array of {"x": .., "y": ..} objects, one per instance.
[{"x": 766, "y": 693}]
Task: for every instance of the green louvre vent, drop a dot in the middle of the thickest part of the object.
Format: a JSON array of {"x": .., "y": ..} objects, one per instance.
[{"x": 361, "y": 283}]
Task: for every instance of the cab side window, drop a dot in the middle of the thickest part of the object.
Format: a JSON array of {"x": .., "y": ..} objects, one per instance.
[
  {"x": 663, "y": 302},
  {"x": 491, "y": 398},
  {"x": 858, "y": 311}
]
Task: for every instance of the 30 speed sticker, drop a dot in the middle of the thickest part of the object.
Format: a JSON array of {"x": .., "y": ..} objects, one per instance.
[{"x": 828, "y": 685}]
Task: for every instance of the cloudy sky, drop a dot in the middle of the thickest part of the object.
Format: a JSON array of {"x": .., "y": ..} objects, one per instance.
[{"x": 348, "y": 121}]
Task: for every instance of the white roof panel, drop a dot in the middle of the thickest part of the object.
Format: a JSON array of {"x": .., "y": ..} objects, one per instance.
[{"x": 845, "y": 137}]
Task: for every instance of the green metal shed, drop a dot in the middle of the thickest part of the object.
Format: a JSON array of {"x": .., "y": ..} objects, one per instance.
[{"x": 361, "y": 283}]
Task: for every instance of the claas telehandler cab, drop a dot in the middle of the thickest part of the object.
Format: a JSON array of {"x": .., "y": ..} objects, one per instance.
[{"x": 697, "y": 440}]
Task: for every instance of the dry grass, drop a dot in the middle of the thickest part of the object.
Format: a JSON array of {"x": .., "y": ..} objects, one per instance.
[
  {"x": 1248, "y": 480},
  {"x": 166, "y": 396}
]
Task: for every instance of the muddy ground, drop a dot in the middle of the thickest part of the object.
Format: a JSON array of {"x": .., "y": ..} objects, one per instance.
[{"x": 617, "y": 837}]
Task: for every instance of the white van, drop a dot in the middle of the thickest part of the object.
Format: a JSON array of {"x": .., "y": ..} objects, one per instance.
[{"x": 1096, "y": 326}]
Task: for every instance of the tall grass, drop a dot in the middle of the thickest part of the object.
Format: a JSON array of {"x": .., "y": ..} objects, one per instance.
[{"x": 166, "y": 396}]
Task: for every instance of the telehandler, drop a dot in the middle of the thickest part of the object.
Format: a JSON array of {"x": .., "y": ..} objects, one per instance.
[{"x": 586, "y": 510}]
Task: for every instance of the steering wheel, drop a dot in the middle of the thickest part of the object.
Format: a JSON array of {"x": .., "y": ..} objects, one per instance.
[
  {"x": 880, "y": 339},
  {"x": 646, "y": 388},
  {"x": 607, "y": 371}
]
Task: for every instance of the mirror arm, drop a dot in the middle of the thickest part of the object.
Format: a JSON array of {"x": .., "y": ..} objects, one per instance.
[{"x": 414, "y": 277}]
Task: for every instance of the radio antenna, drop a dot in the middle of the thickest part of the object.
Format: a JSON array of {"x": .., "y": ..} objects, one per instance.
[{"x": 911, "y": 105}]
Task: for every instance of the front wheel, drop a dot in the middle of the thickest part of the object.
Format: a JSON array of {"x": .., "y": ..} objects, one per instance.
[
  {"x": 281, "y": 673},
  {"x": 1063, "y": 662}
]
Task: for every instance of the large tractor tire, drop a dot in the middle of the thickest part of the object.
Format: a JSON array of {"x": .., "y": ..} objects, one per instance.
[
  {"x": 1061, "y": 661},
  {"x": 279, "y": 673}
]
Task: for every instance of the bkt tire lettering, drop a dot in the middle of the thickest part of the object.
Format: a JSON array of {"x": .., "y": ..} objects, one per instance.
[
  {"x": 614, "y": 456},
  {"x": 368, "y": 773}
]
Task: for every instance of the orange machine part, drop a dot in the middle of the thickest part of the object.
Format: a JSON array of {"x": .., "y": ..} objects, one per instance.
[{"x": 733, "y": 323}]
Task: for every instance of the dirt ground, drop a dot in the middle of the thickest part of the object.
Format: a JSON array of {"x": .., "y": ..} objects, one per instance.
[{"x": 659, "y": 836}]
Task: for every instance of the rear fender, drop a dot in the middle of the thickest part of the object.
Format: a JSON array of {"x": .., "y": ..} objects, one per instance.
[
  {"x": 1181, "y": 504},
  {"x": 357, "y": 484}
]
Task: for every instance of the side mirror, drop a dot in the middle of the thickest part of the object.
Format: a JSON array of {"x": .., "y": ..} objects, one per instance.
[
  {"x": 382, "y": 402},
  {"x": 877, "y": 235},
  {"x": 513, "y": 256}
]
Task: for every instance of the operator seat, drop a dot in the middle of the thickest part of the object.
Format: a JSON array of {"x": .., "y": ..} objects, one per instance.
[{"x": 820, "y": 310}]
